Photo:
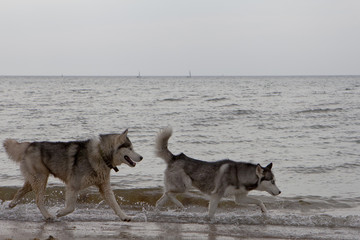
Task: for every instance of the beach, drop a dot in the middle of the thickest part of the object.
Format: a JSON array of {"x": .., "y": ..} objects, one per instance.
[
  {"x": 97, "y": 221},
  {"x": 164, "y": 230}
]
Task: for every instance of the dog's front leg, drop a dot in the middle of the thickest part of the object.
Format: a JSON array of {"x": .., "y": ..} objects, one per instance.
[
  {"x": 109, "y": 197},
  {"x": 243, "y": 199},
  {"x": 70, "y": 202}
]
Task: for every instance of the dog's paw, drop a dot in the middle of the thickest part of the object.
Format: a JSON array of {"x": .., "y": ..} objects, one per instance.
[
  {"x": 60, "y": 213},
  {"x": 126, "y": 218},
  {"x": 49, "y": 218},
  {"x": 264, "y": 211},
  {"x": 263, "y": 208},
  {"x": 12, "y": 205},
  {"x": 210, "y": 219},
  {"x": 64, "y": 211}
]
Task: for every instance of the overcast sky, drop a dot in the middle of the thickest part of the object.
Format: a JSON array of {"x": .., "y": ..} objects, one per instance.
[{"x": 171, "y": 37}]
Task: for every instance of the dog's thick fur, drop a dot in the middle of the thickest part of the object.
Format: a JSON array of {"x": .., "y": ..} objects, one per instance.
[
  {"x": 212, "y": 178},
  {"x": 79, "y": 164}
]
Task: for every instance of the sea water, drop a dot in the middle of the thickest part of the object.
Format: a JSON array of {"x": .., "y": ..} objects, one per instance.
[{"x": 308, "y": 127}]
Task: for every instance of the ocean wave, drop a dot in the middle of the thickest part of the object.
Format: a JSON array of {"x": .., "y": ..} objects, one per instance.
[
  {"x": 321, "y": 220},
  {"x": 320, "y": 110},
  {"x": 204, "y": 124},
  {"x": 194, "y": 215},
  {"x": 82, "y": 90},
  {"x": 324, "y": 169},
  {"x": 306, "y": 211},
  {"x": 231, "y": 105},
  {"x": 148, "y": 197},
  {"x": 272, "y": 94},
  {"x": 319, "y": 92},
  {"x": 216, "y": 99},
  {"x": 170, "y": 113},
  {"x": 242, "y": 112},
  {"x": 171, "y": 100},
  {"x": 320, "y": 126}
]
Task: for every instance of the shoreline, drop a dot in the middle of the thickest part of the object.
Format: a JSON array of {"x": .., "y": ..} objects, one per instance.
[{"x": 19, "y": 230}]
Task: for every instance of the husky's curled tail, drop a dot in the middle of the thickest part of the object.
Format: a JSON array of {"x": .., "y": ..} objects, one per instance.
[
  {"x": 15, "y": 150},
  {"x": 162, "y": 150}
]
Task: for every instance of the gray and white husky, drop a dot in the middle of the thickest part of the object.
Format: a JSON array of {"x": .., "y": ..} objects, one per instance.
[
  {"x": 79, "y": 164},
  {"x": 213, "y": 178}
]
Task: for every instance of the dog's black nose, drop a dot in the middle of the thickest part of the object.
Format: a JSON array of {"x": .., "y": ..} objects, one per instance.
[{"x": 141, "y": 158}]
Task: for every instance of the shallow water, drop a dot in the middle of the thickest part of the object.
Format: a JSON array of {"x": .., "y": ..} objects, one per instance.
[{"x": 309, "y": 127}]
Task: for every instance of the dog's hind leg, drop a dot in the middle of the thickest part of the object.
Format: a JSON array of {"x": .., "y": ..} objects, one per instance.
[
  {"x": 109, "y": 197},
  {"x": 70, "y": 202},
  {"x": 20, "y": 193},
  {"x": 38, "y": 184},
  {"x": 161, "y": 200},
  {"x": 171, "y": 196},
  {"x": 175, "y": 183},
  {"x": 213, "y": 204}
]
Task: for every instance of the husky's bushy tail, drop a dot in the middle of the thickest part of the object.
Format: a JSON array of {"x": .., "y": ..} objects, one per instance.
[
  {"x": 162, "y": 150},
  {"x": 15, "y": 150}
]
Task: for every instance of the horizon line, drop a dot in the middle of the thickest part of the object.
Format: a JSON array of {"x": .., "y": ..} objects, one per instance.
[{"x": 192, "y": 76}]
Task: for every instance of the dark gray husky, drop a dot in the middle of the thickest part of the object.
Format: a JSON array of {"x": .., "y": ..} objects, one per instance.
[
  {"x": 78, "y": 164},
  {"x": 212, "y": 178}
]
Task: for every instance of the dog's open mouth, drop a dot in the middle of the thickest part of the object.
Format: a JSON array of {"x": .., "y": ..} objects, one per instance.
[{"x": 131, "y": 162}]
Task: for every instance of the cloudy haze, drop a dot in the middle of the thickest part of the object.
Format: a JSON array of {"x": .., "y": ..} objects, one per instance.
[{"x": 165, "y": 37}]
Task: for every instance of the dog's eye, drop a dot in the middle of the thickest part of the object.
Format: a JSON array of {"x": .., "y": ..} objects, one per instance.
[
  {"x": 272, "y": 181},
  {"x": 120, "y": 147}
]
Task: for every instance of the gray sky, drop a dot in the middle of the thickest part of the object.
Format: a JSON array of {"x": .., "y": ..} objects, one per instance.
[{"x": 171, "y": 37}]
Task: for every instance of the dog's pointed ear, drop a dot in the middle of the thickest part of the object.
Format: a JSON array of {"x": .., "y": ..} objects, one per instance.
[
  {"x": 122, "y": 137},
  {"x": 259, "y": 171},
  {"x": 269, "y": 166},
  {"x": 125, "y": 132}
]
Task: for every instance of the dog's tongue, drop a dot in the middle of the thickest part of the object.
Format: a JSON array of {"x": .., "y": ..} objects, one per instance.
[{"x": 130, "y": 161}]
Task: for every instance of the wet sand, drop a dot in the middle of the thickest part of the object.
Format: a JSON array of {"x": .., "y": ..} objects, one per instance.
[{"x": 162, "y": 230}]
